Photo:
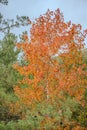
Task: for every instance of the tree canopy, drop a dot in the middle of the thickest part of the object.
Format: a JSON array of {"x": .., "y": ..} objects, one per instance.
[
  {"x": 47, "y": 87},
  {"x": 55, "y": 69}
]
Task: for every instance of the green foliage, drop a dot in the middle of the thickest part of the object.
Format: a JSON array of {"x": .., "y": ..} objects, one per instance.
[
  {"x": 8, "y": 56},
  {"x": 82, "y": 118},
  {"x": 19, "y": 125},
  {"x": 8, "y": 76},
  {"x": 81, "y": 115},
  {"x": 5, "y": 2},
  {"x": 7, "y": 25},
  {"x": 49, "y": 116},
  {"x": 68, "y": 106},
  {"x": 5, "y": 100}
]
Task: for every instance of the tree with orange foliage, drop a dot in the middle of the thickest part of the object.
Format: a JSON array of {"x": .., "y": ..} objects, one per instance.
[{"x": 54, "y": 58}]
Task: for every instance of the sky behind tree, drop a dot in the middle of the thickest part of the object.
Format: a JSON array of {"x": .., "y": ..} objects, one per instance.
[{"x": 74, "y": 10}]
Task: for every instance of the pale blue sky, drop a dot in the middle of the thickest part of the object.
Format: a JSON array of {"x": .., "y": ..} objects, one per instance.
[{"x": 74, "y": 10}]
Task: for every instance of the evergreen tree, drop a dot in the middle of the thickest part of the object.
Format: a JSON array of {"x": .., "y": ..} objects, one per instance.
[
  {"x": 8, "y": 76},
  {"x": 8, "y": 56}
]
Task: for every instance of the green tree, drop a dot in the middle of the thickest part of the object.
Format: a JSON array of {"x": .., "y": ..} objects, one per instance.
[
  {"x": 81, "y": 114},
  {"x": 8, "y": 76},
  {"x": 8, "y": 56}
]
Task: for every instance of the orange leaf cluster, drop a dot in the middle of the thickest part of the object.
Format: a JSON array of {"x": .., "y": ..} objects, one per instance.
[{"x": 55, "y": 60}]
